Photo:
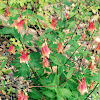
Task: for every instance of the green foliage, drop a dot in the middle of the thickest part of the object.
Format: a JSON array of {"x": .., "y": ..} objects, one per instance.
[{"x": 59, "y": 81}]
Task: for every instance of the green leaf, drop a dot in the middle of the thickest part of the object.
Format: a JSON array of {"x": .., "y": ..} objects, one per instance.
[
  {"x": 70, "y": 72},
  {"x": 97, "y": 77},
  {"x": 51, "y": 37},
  {"x": 54, "y": 59},
  {"x": 6, "y": 30},
  {"x": 77, "y": 37},
  {"x": 56, "y": 80},
  {"x": 72, "y": 24},
  {"x": 34, "y": 95},
  {"x": 2, "y": 5},
  {"x": 67, "y": 3},
  {"x": 35, "y": 56},
  {"x": 58, "y": 59},
  {"x": 49, "y": 94},
  {"x": 59, "y": 93},
  {"x": 48, "y": 30},
  {"x": 60, "y": 23},
  {"x": 32, "y": 19},
  {"x": 28, "y": 37},
  {"x": 3, "y": 64},
  {"x": 66, "y": 92},
  {"x": 29, "y": 12},
  {"x": 72, "y": 49},
  {"x": 23, "y": 71},
  {"x": 39, "y": 17},
  {"x": 3, "y": 82},
  {"x": 60, "y": 69}
]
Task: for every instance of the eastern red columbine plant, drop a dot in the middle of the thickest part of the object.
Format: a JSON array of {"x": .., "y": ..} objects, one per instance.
[
  {"x": 21, "y": 96},
  {"x": 82, "y": 86},
  {"x": 91, "y": 26},
  {"x": 45, "y": 50},
  {"x": 60, "y": 48},
  {"x": 45, "y": 62},
  {"x": 11, "y": 49},
  {"x": 24, "y": 57},
  {"x": 53, "y": 24},
  {"x": 18, "y": 24}
]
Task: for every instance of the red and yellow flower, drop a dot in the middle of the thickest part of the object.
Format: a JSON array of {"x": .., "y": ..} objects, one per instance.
[
  {"x": 45, "y": 50},
  {"x": 98, "y": 48},
  {"x": 18, "y": 24},
  {"x": 45, "y": 62},
  {"x": 53, "y": 24},
  {"x": 91, "y": 66},
  {"x": 11, "y": 49},
  {"x": 24, "y": 57},
  {"x": 82, "y": 86},
  {"x": 83, "y": 36},
  {"x": 60, "y": 48},
  {"x": 91, "y": 26},
  {"x": 21, "y": 96}
]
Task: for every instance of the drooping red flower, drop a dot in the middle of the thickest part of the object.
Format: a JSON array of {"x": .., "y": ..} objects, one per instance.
[
  {"x": 96, "y": 58},
  {"x": 21, "y": 96},
  {"x": 92, "y": 86},
  {"x": 91, "y": 26},
  {"x": 18, "y": 24},
  {"x": 24, "y": 57},
  {"x": 82, "y": 86},
  {"x": 53, "y": 24},
  {"x": 11, "y": 49},
  {"x": 45, "y": 62},
  {"x": 91, "y": 66},
  {"x": 83, "y": 36},
  {"x": 98, "y": 48},
  {"x": 45, "y": 50},
  {"x": 7, "y": 13},
  {"x": 60, "y": 48},
  {"x": 67, "y": 16}
]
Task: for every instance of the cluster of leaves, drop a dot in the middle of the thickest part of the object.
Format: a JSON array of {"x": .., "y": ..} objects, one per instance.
[{"x": 61, "y": 84}]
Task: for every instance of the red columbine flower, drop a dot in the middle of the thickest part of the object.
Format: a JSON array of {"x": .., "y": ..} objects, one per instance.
[
  {"x": 96, "y": 58},
  {"x": 98, "y": 48},
  {"x": 60, "y": 48},
  {"x": 45, "y": 50},
  {"x": 91, "y": 66},
  {"x": 7, "y": 13},
  {"x": 11, "y": 49},
  {"x": 21, "y": 96},
  {"x": 53, "y": 24},
  {"x": 67, "y": 16},
  {"x": 83, "y": 36},
  {"x": 18, "y": 24},
  {"x": 45, "y": 62},
  {"x": 24, "y": 57},
  {"x": 91, "y": 26},
  {"x": 82, "y": 86},
  {"x": 92, "y": 86}
]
